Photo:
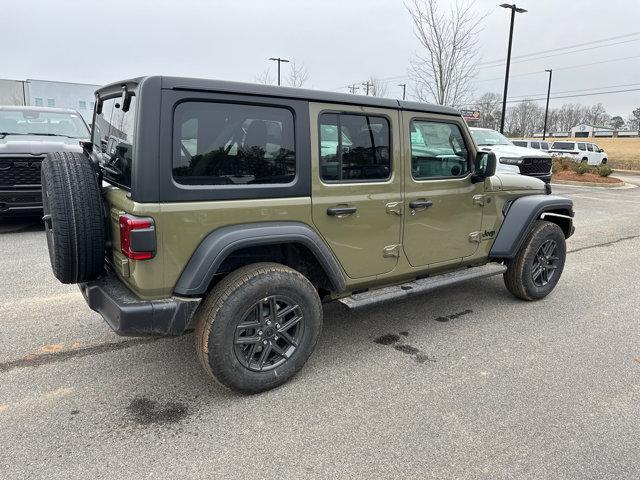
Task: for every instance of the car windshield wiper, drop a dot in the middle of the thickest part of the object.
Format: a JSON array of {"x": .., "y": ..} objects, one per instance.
[{"x": 49, "y": 134}]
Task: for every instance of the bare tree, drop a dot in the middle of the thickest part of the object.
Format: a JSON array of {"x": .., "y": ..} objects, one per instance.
[
  {"x": 264, "y": 77},
  {"x": 490, "y": 107},
  {"x": 298, "y": 74},
  {"x": 446, "y": 62},
  {"x": 525, "y": 118}
]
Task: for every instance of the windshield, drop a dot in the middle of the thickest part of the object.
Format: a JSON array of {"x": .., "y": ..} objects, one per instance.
[
  {"x": 113, "y": 132},
  {"x": 42, "y": 122},
  {"x": 489, "y": 137}
]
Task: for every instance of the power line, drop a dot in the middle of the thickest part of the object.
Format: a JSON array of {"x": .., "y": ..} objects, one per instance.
[
  {"x": 633, "y": 34},
  {"x": 563, "y": 68},
  {"x": 560, "y": 54},
  {"x": 578, "y": 90},
  {"x": 566, "y": 96}
]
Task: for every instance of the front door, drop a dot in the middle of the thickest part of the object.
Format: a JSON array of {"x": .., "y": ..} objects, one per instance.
[
  {"x": 443, "y": 212},
  {"x": 357, "y": 185}
]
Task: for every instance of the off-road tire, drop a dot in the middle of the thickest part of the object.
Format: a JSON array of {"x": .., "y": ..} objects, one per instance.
[
  {"x": 604, "y": 161},
  {"x": 226, "y": 306},
  {"x": 73, "y": 217},
  {"x": 519, "y": 278}
]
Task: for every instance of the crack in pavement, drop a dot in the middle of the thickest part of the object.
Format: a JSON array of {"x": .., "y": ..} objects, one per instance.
[
  {"x": 63, "y": 356},
  {"x": 605, "y": 244}
]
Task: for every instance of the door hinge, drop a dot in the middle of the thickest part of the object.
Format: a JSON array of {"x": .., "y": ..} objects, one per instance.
[
  {"x": 394, "y": 207},
  {"x": 479, "y": 200},
  {"x": 391, "y": 251}
]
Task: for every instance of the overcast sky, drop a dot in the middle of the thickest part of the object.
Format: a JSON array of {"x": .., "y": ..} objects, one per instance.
[{"x": 340, "y": 41}]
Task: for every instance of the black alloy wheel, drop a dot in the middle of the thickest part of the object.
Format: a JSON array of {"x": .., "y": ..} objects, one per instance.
[{"x": 269, "y": 333}]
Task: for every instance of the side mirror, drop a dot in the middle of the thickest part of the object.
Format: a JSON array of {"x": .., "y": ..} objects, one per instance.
[{"x": 485, "y": 166}]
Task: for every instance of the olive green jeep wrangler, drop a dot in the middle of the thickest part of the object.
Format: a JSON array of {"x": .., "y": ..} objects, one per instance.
[{"x": 237, "y": 209}]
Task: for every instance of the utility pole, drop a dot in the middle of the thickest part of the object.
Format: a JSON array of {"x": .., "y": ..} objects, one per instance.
[
  {"x": 353, "y": 88},
  {"x": 367, "y": 84},
  {"x": 546, "y": 110},
  {"x": 514, "y": 9},
  {"x": 404, "y": 90},
  {"x": 279, "y": 60}
]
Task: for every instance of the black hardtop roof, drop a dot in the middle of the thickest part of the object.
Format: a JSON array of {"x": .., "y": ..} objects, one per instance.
[{"x": 201, "y": 84}]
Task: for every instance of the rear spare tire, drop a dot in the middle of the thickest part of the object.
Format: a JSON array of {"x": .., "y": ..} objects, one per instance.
[{"x": 73, "y": 217}]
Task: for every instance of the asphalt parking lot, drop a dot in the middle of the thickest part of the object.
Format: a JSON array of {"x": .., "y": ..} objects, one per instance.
[{"x": 476, "y": 384}]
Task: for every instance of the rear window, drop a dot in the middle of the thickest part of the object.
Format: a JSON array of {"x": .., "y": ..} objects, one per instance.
[
  {"x": 232, "y": 144},
  {"x": 113, "y": 134},
  {"x": 563, "y": 146}
]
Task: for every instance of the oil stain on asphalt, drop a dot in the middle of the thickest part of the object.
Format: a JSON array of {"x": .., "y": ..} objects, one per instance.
[
  {"x": 393, "y": 339},
  {"x": 453, "y": 316},
  {"x": 149, "y": 412}
]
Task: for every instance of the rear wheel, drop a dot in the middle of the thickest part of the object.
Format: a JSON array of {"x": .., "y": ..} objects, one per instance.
[
  {"x": 537, "y": 267},
  {"x": 604, "y": 161},
  {"x": 258, "y": 326}
]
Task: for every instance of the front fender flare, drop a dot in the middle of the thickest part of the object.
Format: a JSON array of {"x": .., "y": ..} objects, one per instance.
[
  {"x": 217, "y": 245},
  {"x": 521, "y": 214}
]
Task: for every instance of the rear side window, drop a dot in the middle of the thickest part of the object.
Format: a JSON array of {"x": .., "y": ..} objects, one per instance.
[
  {"x": 233, "y": 144},
  {"x": 535, "y": 145},
  {"x": 563, "y": 145},
  {"x": 519, "y": 143},
  {"x": 354, "y": 148},
  {"x": 113, "y": 139},
  {"x": 544, "y": 145},
  {"x": 582, "y": 147},
  {"x": 437, "y": 150}
]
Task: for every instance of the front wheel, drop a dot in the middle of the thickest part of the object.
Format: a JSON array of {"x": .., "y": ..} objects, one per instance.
[
  {"x": 257, "y": 328},
  {"x": 537, "y": 267}
]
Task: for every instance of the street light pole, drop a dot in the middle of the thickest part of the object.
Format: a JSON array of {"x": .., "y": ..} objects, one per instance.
[
  {"x": 514, "y": 9},
  {"x": 404, "y": 90},
  {"x": 546, "y": 110},
  {"x": 279, "y": 60}
]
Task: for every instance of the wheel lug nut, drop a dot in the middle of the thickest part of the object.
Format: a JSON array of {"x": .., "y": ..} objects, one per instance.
[
  {"x": 264, "y": 342},
  {"x": 268, "y": 322},
  {"x": 259, "y": 332},
  {"x": 277, "y": 325},
  {"x": 275, "y": 337}
]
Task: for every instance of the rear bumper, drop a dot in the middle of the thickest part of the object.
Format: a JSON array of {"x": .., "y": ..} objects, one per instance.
[
  {"x": 129, "y": 315},
  {"x": 16, "y": 201}
]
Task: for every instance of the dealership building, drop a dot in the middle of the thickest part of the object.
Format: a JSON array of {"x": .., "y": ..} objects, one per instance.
[{"x": 49, "y": 93}]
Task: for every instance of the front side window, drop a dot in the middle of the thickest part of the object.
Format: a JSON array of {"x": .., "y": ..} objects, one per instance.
[
  {"x": 113, "y": 140},
  {"x": 437, "y": 150},
  {"x": 354, "y": 148},
  {"x": 233, "y": 144}
]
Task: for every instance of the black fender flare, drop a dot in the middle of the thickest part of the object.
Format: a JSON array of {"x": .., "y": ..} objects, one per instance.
[
  {"x": 218, "y": 244},
  {"x": 520, "y": 214}
]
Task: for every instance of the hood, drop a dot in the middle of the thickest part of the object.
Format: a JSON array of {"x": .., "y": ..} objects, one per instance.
[
  {"x": 38, "y": 144},
  {"x": 511, "y": 182},
  {"x": 514, "y": 151}
]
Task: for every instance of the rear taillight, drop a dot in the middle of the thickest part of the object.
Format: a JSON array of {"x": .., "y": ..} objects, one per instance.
[{"x": 137, "y": 237}]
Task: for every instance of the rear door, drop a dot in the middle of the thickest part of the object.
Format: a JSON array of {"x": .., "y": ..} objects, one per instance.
[
  {"x": 442, "y": 213},
  {"x": 356, "y": 185}
]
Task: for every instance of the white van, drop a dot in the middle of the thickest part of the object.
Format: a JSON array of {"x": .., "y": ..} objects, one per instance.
[
  {"x": 585, "y": 152},
  {"x": 537, "y": 144}
]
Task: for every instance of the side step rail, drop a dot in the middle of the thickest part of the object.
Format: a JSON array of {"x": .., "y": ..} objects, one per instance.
[{"x": 397, "y": 292}]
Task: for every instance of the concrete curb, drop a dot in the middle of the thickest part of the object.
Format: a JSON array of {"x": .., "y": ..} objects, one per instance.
[
  {"x": 636, "y": 172},
  {"x": 592, "y": 184}
]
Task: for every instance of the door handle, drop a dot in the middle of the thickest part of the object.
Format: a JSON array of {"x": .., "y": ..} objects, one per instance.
[
  {"x": 341, "y": 211},
  {"x": 420, "y": 204}
]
